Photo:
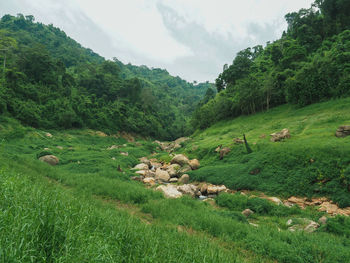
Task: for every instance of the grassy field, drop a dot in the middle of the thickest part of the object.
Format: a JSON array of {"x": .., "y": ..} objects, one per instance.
[
  {"x": 313, "y": 162},
  {"x": 84, "y": 210}
]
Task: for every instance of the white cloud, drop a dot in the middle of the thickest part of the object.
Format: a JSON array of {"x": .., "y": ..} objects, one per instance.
[{"x": 191, "y": 38}]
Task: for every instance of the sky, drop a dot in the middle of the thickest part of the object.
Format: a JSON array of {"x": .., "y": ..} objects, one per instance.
[{"x": 192, "y": 39}]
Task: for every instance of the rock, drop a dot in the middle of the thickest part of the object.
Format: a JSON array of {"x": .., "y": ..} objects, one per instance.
[
  {"x": 101, "y": 134},
  {"x": 185, "y": 169},
  {"x": 194, "y": 164},
  {"x": 215, "y": 189},
  {"x": 173, "y": 169},
  {"x": 113, "y": 147},
  {"x": 202, "y": 197},
  {"x": 252, "y": 224},
  {"x": 218, "y": 148},
  {"x": 289, "y": 222},
  {"x": 162, "y": 175},
  {"x": 181, "y": 140},
  {"x": 262, "y": 136},
  {"x": 113, "y": 158},
  {"x": 142, "y": 172},
  {"x": 275, "y": 200},
  {"x": 136, "y": 178},
  {"x": 140, "y": 166},
  {"x": 322, "y": 220},
  {"x": 50, "y": 159},
  {"x": 204, "y": 188},
  {"x": 278, "y": 136},
  {"x": 343, "y": 131},
  {"x": 149, "y": 180},
  {"x": 47, "y": 134},
  {"x": 331, "y": 209},
  {"x": 247, "y": 212},
  {"x": 185, "y": 178},
  {"x": 238, "y": 141},
  {"x": 173, "y": 180},
  {"x": 224, "y": 151},
  {"x": 146, "y": 161},
  {"x": 169, "y": 191},
  {"x": 47, "y": 149},
  {"x": 155, "y": 165},
  {"x": 59, "y": 147},
  {"x": 188, "y": 189},
  {"x": 297, "y": 200},
  {"x": 311, "y": 227},
  {"x": 124, "y": 153},
  {"x": 180, "y": 159}
]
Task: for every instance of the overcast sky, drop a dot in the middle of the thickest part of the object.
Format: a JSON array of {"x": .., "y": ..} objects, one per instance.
[{"x": 190, "y": 38}]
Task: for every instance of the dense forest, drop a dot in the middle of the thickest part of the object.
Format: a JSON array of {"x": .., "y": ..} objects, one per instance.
[
  {"x": 308, "y": 64},
  {"x": 50, "y": 81}
]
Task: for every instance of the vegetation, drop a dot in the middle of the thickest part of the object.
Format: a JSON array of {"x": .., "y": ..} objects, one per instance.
[
  {"x": 50, "y": 81},
  {"x": 309, "y": 64}
]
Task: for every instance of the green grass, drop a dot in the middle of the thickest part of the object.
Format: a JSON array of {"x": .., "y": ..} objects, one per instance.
[
  {"x": 313, "y": 162},
  {"x": 55, "y": 214}
]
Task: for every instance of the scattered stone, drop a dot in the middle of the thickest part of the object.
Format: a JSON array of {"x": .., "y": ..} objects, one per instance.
[
  {"x": 47, "y": 149},
  {"x": 169, "y": 191},
  {"x": 185, "y": 169},
  {"x": 113, "y": 147},
  {"x": 252, "y": 224},
  {"x": 59, "y": 147},
  {"x": 185, "y": 178},
  {"x": 136, "y": 178},
  {"x": 113, "y": 158},
  {"x": 343, "y": 131},
  {"x": 247, "y": 212},
  {"x": 180, "y": 159},
  {"x": 101, "y": 134},
  {"x": 275, "y": 200},
  {"x": 238, "y": 141},
  {"x": 124, "y": 153},
  {"x": 215, "y": 189},
  {"x": 173, "y": 169},
  {"x": 224, "y": 151},
  {"x": 146, "y": 161},
  {"x": 173, "y": 180},
  {"x": 289, "y": 222},
  {"x": 140, "y": 166},
  {"x": 312, "y": 227},
  {"x": 322, "y": 220},
  {"x": 50, "y": 159},
  {"x": 162, "y": 175},
  {"x": 149, "y": 180},
  {"x": 47, "y": 134},
  {"x": 194, "y": 164},
  {"x": 278, "y": 136},
  {"x": 218, "y": 148},
  {"x": 188, "y": 189}
]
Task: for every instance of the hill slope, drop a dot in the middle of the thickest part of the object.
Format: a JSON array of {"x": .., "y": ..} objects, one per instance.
[{"x": 312, "y": 162}]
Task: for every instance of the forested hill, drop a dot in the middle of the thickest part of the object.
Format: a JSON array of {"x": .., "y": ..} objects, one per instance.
[
  {"x": 308, "y": 64},
  {"x": 52, "y": 82}
]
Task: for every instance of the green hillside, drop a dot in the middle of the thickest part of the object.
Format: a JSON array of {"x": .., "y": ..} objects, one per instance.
[
  {"x": 312, "y": 162},
  {"x": 51, "y": 81}
]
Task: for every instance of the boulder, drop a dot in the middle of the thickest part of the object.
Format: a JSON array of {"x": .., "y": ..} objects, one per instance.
[
  {"x": 162, "y": 175},
  {"x": 146, "y": 161},
  {"x": 194, "y": 164},
  {"x": 173, "y": 169},
  {"x": 331, "y": 209},
  {"x": 238, "y": 141},
  {"x": 50, "y": 159},
  {"x": 140, "y": 166},
  {"x": 180, "y": 159},
  {"x": 188, "y": 189},
  {"x": 169, "y": 191},
  {"x": 149, "y": 180},
  {"x": 124, "y": 153},
  {"x": 215, "y": 189},
  {"x": 184, "y": 179},
  {"x": 247, "y": 212},
  {"x": 343, "y": 131},
  {"x": 173, "y": 180},
  {"x": 322, "y": 220},
  {"x": 185, "y": 169},
  {"x": 311, "y": 227},
  {"x": 48, "y": 135},
  {"x": 275, "y": 200},
  {"x": 224, "y": 151},
  {"x": 278, "y": 136}
]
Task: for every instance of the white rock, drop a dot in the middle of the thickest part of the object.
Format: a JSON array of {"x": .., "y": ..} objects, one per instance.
[
  {"x": 169, "y": 191},
  {"x": 141, "y": 166},
  {"x": 162, "y": 175},
  {"x": 180, "y": 159}
]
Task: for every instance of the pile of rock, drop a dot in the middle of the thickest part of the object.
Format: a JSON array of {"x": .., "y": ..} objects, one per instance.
[
  {"x": 172, "y": 172},
  {"x": 343, "y": 131},
  {"x": 172, "y": 146}
]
